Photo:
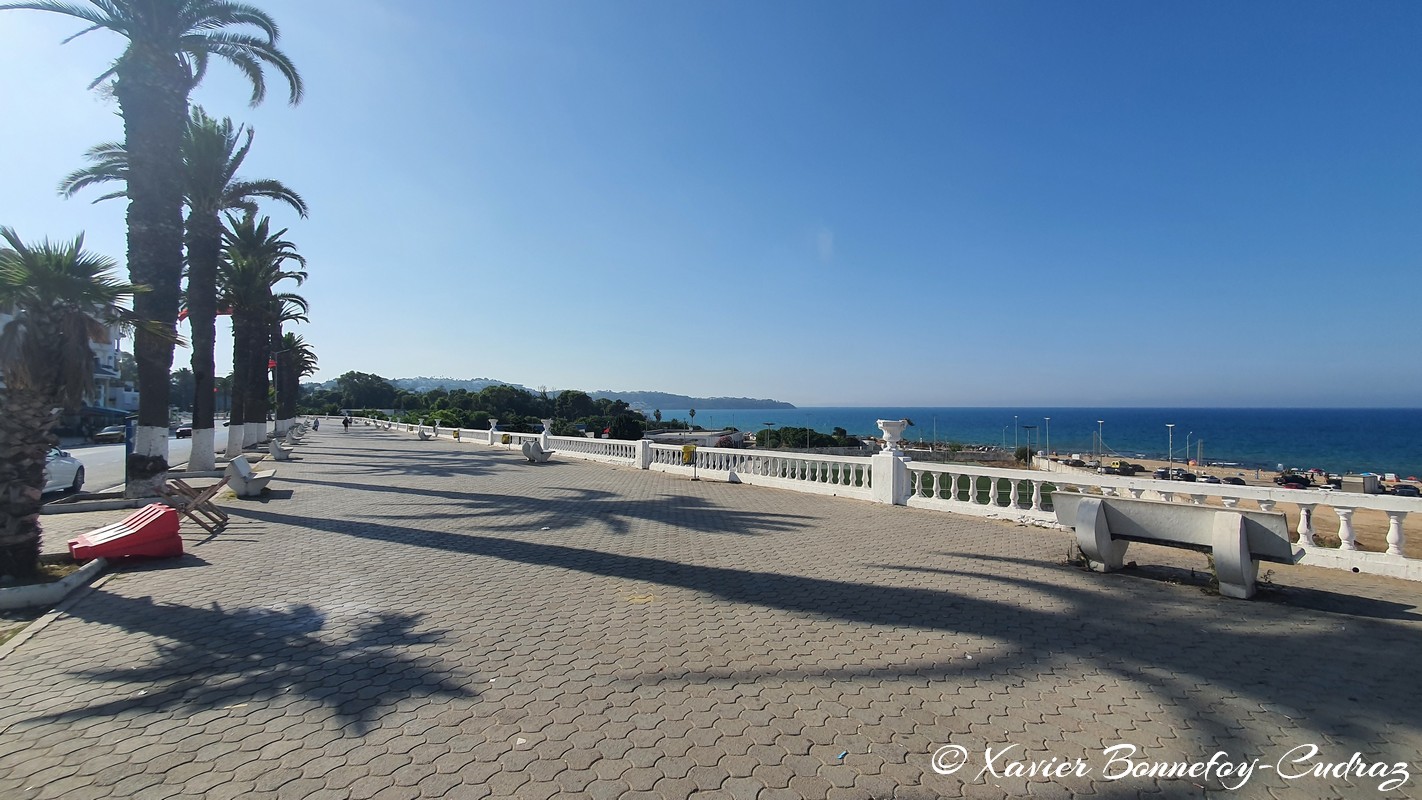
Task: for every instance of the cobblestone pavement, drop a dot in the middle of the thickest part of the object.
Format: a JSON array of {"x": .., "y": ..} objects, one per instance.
[{"x": 422, "y": 619}]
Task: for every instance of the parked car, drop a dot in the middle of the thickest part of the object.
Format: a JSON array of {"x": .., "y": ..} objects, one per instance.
[
  {"x": 184, "y": 432},
  {"x": 1161, "y": 474},
  {"x": 110, "y": 435},
  {"x": 1406, "y": 490},
  {"x": 1209, "y": 479},
  {"x": 1074, "y": 462},
  {"x": 1233, "y": 481},
  {"x": 62, "y": 472},
  {"x": 1300, "y": 481}
]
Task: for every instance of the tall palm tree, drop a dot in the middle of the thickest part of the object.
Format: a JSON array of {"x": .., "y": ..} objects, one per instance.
[
  {"x": 213, "y": 152},
  {"x": 296, "y": 360},
  {"x": 59, "y": 298},
  {"x": 170, "y": 43},
  {"x": 253, "y": 266}
]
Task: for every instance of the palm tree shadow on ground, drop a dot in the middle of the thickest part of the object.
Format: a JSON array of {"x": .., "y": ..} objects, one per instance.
[{"x": 211, "y": 658}]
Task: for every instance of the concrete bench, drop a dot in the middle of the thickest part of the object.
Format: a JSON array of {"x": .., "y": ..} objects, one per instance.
[
  {"x": 424, "y": 436},
  {"x": 1238, "y": 540},
  {"x": 245, "y": 481},
  {"x": 278, "y": 452},
  {"x": 535, "y": 453}
]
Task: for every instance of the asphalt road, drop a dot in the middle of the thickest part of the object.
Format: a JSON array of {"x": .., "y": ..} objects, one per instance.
[{"x": 103, "y": 463}]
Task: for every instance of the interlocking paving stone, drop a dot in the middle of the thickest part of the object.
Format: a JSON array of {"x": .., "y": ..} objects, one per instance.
[{"x": 431, "y": 619}]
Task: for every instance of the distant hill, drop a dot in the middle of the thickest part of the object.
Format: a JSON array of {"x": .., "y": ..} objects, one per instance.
[
  {"x": 647, "y": 400},
  {"x": 665, "y": 400}
]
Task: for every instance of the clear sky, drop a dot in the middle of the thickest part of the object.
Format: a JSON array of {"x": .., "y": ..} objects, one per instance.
[{"x": 919, "y": 204}]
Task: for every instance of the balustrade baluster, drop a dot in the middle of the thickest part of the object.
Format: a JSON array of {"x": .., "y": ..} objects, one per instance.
[
  {"x": 1136, "y": 493},
  {"x": 1036, "y": 495},
  {"x": 1168, "y": 497},
  {"x": 1266, "y": 505},
  {"x": 1197, "y": 499},
  {"x": 1012, "y": 493},
  {"x": 953, "y": 487},
  {"x": 1305, "y": 529},
  {"x": 1346, "y": 539},
  {"x": 1394, "y": 532},
  {"x": 1230, "y": 502}
]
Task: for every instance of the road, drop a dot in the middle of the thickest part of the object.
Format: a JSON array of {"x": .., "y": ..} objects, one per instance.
[{"x": 103, "y": 463}]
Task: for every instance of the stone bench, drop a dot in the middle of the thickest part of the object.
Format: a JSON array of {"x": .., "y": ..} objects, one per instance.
[
  {"x": 424, "y": 436},
  {"x": 278, "y": 452},
  {"x": 1238, "y": 540},
  {"x": 245, "y": 481},
  {"x": 535, "y": 453}
]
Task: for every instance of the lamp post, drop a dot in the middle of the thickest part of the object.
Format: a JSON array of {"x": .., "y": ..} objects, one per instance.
[
  {"x": 1015, "y": 428},
  {"x": 1030, "y": 430},
  {"x": 1100, "y": 445},
  {"x": 1049, "y": 436},
  {"x": 1170, "y": 447},
  {"x": 1187, "y": 447},
  {"x": 766, "y": 443},
  {"x": 1004, "y": 437}
]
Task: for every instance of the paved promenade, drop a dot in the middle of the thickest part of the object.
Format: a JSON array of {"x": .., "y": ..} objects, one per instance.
[{"x": 408, "y": 619}]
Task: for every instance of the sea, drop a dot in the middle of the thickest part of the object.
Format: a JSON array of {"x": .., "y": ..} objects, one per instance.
[{"x": 1339, "y": 440}]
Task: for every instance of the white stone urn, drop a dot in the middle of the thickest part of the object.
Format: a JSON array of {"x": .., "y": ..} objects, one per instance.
[
  {"x": 544, "y": 441},
  {"x": 893, "y": 432}
]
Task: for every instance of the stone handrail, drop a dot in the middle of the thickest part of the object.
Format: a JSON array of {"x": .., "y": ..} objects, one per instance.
[
  {"x": 617, "y": 451},
  {"x": 844, "y": 476}
]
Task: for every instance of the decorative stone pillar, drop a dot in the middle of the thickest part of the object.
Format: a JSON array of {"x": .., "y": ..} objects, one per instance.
[
  {"x": 1394, "y": 532},
  {"x": 892, "y": 483},
  {"x": 544, "y": 441},
  {"x": 1305, "y": 529},
  {"x": 1346, "y": 539},
  {"x": 1036, "y": 495},
  {"x": 493, "y": 426},
  {"x": 1012, "y": 494},
  {"x": 644, "y": 453}
]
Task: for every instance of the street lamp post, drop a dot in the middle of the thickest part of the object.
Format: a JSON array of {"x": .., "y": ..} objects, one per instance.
[
  {"x": 1187, "y": 447},
  {"x": 1170, "y": 446},
  {"x": 1004, "y": 437},
  {"x": 1100, "y": 445},
  {"x": 1015, "y": 443},
  {"x": 1030, "y": 430},
  {"x": 766, "y": 443},
  {"x": 1049, "y": 436}
]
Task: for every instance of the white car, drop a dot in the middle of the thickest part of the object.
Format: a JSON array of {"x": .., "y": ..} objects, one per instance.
[{"x": 62, "y": 472}]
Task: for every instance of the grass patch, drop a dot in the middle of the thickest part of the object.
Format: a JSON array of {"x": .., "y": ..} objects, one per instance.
[{"x": 48, "y": 573}]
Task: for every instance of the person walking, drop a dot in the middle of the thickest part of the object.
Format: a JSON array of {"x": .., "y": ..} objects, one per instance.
[{"x": 347, "y": 424}]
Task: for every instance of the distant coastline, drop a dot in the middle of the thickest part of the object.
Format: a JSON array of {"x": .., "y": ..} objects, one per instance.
[{"x": 1338, "y": 440}]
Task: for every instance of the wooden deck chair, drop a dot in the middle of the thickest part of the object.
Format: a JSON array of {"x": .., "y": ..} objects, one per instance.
[{"x": 196, "y": 504}]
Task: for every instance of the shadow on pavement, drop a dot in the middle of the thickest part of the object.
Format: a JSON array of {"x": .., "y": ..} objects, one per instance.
[
  {"x": 1281, "y": 659},
  {"x": 214, "y": 657}
]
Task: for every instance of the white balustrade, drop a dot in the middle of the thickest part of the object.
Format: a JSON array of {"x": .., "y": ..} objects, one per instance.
[{"x": 999, "y": 492}]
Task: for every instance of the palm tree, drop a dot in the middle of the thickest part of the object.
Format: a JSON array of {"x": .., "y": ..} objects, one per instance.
[
  {"x": 296, "y": 360},
  {"x": 212, "y": 154},
  {"x": 246, "y": 282},
  {"x": 170, "y": 43},
  {"x": 60, "y": 298}
]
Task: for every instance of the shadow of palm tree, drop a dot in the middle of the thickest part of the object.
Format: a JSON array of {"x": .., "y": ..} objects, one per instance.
[
  {"x": 1173, "y": 649},
  {"x": 215, "y": 657}
]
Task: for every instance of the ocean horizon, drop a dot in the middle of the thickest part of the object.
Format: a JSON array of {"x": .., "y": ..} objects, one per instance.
[{"x": 1335, "y": 439}]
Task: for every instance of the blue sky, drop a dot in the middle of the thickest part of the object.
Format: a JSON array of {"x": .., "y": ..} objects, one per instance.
[{"x": 918, "y": 204}]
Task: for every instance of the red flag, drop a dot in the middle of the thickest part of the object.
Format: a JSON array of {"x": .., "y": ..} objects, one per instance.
[
  {"x": 271, "y": 363},
  {"x": 182, "y": 315}
]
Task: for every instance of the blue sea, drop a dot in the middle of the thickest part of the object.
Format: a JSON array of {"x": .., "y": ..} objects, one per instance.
[{"x": 1335, "y": 439}]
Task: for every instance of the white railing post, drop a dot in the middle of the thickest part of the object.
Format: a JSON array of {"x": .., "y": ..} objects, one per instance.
[
  {"x": 1305, "y": 529},
  {"x": 1346, "y": 539},
  {"x": 493, "y": 426},
  {"x": 644, "y": 454},
  {"x": 1394, "y": 532}
]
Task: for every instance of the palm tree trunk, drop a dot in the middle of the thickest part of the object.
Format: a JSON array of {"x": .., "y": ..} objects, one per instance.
[
  {"x": 204, "y": 240},
  {"x": 238, "y": 390},
  {"x": 152, "y": 96},
  {"x": 26, "y": 421}
]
